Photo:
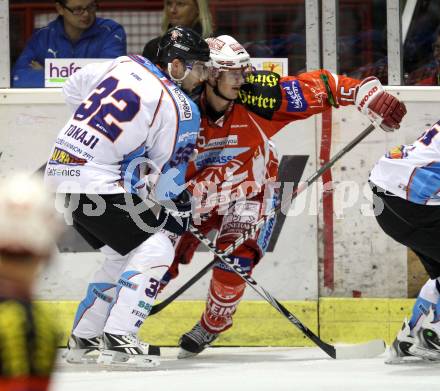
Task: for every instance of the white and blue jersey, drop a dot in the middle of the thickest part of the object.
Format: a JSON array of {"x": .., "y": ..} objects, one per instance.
[
  {"x": 412, "y": 171},
  {"x": 129, "y": 120}
]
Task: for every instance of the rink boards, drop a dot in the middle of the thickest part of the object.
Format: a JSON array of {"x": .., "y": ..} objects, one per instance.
[
  {"x": 258, "y": 324},
  {"x": 296, "y": 269}
]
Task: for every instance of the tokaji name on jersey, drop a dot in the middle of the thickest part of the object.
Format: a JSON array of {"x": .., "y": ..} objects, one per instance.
[{"x": 82, "y": 135}]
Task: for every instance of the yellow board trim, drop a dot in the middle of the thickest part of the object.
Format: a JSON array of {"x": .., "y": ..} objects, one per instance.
[{"x": 256, "y": 323}]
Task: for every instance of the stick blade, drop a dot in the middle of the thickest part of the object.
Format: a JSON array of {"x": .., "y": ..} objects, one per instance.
[{"x": 364, "y": 350}]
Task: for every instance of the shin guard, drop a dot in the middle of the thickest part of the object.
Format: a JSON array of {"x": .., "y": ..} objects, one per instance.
[
  {"x": 225, "y": 293},
  {"x": 138, "y": 285}
]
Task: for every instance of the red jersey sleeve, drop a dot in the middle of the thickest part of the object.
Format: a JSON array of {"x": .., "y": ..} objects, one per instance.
[
  {"x": 314, "y": 92},
  {"x": 292, "y": 98}
]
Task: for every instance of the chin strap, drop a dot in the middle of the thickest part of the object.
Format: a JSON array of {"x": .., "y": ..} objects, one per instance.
[{"x": 176, "y": 80}]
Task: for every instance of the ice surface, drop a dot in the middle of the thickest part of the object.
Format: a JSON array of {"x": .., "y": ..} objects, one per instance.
[{"x": 253, "y": 369}]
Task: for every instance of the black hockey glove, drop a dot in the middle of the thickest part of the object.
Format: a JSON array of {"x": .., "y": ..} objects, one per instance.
[{"x": 177, "y": 214}]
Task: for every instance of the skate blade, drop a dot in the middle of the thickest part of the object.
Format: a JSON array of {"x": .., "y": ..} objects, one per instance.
[
  {"x": 185, "y": 354},
  {"x": 426, "y": 354},
  {"x": 80, "y": 356},
  {"x": 110, "y": 357},
  {"x": 369, "y": 349}
]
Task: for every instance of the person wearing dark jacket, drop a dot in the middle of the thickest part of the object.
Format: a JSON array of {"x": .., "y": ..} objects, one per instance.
[
  {"x": 186, "y": 13},
  {"x": 75, "y": 33}
]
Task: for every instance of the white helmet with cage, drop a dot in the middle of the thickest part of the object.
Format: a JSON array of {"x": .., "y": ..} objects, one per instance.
[
  {"x": 28, "y": 219},
  {"x": 226, "y": 53}
]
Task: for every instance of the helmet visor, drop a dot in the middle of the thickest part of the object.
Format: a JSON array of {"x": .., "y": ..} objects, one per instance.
[
  {"x": 236, "y": 76},
  {"x": 198, "y": 69}
]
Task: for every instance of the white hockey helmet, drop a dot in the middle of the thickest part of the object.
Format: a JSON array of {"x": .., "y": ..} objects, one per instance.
[
  {"x": 226, "y": 53},
  {"x": 28, "y": 220}
]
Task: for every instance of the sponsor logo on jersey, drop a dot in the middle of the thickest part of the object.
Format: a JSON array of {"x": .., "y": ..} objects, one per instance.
[
  {"x": 60, "y": 156},
  {"x": 184, "y": 107},
  {"x": 62, "y": 172},
  {"x": 222, "y": 142},
  {"x": 218, "y": 156},
  {"x": 261, "y": 94},
  {"x": 266, "y": 234},
  {"x": 184, "y": 137},
  {"x": 295, "y": 96}
]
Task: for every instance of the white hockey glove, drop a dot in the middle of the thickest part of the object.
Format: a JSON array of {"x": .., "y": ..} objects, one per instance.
[{"x": 379, "y": 106}]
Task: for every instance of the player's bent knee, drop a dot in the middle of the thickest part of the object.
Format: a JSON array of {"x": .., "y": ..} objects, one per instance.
[
  {"x": 224, "y": 274},
  {"x": 156, "y": 253}
]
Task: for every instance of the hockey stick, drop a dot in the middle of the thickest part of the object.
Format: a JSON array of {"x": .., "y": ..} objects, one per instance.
[
  {"x": 366, "y": 350},
  {"x": 164, "y": 303}
]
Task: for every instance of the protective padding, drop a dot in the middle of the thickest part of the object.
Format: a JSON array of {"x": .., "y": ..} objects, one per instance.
[{"x": 138, "y": 285}]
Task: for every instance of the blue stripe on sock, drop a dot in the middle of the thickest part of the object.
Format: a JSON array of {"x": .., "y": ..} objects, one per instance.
[{"x": 421, "y": 307}]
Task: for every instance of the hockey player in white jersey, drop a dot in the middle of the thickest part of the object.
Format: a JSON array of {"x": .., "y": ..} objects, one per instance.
[
  {"x": 406, "y": 188},
  {"x": 130, "y": 119}
]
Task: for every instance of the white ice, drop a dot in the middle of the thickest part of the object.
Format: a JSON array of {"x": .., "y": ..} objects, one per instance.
[{"x": 253, "y": 369}]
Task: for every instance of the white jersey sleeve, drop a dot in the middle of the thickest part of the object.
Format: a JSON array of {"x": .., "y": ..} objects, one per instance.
[
  {"x": 412, "y": 171},
  {"x": 79, "y": 85}
]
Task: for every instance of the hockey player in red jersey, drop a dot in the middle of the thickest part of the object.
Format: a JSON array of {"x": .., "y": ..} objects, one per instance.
[{"x": 231, "y": 178}]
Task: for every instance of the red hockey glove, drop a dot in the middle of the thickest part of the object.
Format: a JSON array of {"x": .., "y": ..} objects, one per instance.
[{"x": 378, "y": 105}]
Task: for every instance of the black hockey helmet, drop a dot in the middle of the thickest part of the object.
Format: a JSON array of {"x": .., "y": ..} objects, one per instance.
[{"x": 184, "y": 43}]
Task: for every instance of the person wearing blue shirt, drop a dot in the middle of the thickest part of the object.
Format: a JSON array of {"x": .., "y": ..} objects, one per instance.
[{"x": 75, "y": 33}]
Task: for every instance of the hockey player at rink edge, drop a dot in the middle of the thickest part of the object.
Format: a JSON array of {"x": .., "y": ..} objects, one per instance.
[
  {"x": 405, "y": 184},
  {"x": 241, "y": 111},
  {"x": 132, "y": 123},
  {"x": 29, "y": 339}
]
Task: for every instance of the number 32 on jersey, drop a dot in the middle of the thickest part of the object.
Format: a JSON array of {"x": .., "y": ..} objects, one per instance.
[{"x": 106, "y": 117}]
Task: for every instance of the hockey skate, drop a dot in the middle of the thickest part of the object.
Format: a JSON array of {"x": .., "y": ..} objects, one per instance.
[
  {"x": 401, "y": 346},
  {"x": 195, "y": 341},
  {"x": 128, "y": 350},
  {"x": 427, "y": 341},
  {"x": 82, "y": 350}
]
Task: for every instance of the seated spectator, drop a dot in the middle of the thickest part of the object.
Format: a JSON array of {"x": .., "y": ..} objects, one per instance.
[
  {"x": 75, "y": 33},
  {"x": 186, "y": 13}
]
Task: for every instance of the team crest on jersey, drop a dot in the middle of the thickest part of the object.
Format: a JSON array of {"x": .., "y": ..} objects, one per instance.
[
  {"x": 295, "y": 96},
  {"x": 184, "y": 107},
  {"x": 60, "y": 156}
]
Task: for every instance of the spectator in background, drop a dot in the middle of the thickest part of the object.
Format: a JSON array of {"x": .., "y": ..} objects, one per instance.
[
  {"x": 429, "y": 74},
  {"x": 28, "y": 337},
  {"x": 186, "y": 13},
  {"x": 75, "y": 33}
]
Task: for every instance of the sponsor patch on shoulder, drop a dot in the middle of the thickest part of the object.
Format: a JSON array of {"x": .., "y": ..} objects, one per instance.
[
  {"x": 183, "y": 105},
  {"x": 295, "y": 96}
]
